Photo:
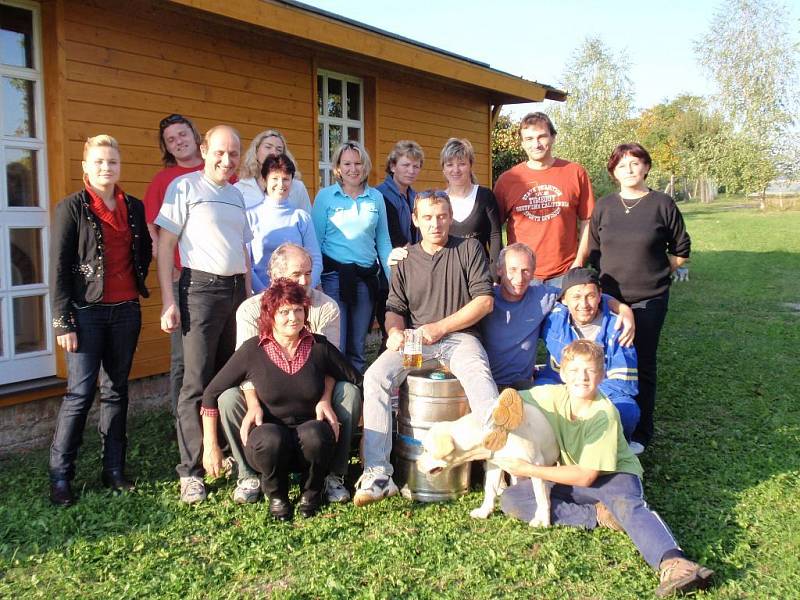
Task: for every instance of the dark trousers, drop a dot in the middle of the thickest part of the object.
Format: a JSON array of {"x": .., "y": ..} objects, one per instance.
[
  {"x": 649, "y": 317},
  {"x": 275, "y": 450},
  {"x": 175, "y": 361},
  {"x": 107, "y": 337},
  {"x": 208, "y": 306}
]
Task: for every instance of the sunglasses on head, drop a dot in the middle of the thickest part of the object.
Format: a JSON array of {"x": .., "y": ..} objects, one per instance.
[{"x": 171, "y": 120}]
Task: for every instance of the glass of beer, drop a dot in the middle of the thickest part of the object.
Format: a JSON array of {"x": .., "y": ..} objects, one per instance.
[{"x": 412, "y": 349}]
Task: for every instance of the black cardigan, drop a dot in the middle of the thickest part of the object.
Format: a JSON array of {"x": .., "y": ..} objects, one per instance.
[
  {"x": 483, "y": 223},
  {"x": 76, "y": 256}
]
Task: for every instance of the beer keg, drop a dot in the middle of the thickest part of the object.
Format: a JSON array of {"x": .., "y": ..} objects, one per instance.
[{"x": 426, "y": 397}]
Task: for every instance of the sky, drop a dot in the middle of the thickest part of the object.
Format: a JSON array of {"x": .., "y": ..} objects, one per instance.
[{"x": 535, "y": 39}]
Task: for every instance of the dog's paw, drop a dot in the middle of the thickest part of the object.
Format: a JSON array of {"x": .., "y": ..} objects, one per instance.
[
  {"x": 480, "y": 513},
  {"x": 537, "y": 522}
]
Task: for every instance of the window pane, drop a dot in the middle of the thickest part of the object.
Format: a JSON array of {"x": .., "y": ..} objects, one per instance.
[
  {"x": 18, "y": 107},
  {"x": 334, "y": 97},
  {"x": 353, "y": 101},
  {"x": 21, "y": 177},
  {"x": 26, "y": 256},
  {"x": 321, "y": 143},
  {"x": 354, "y": 134},
  {"x": 16, "y": 36},
  {"x": 334, "y": 138},
  {"x": 29, "y": 332},
  {"x": 320, "y": 95}
]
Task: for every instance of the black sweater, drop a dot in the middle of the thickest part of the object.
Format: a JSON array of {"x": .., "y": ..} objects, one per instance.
[
  {"x": 290, "y": 399},
  {"x": 76, "y": 256},
  {"x": 630, "y": 250},
  {"x": 483, "y": 223}
]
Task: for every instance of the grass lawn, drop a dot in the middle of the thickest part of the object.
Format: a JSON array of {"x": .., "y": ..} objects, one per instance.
[{"x": 724, "y": 472}]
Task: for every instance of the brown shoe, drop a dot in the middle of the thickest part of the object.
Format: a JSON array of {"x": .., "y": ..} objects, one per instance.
[
  {"x": 680, "y": 575},
  {"x": 606, "y": 519},
  {"x": 506, "y": 416}
]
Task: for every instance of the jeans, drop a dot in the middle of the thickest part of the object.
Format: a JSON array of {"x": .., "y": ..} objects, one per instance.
[
  {"x": 175, "y": 362},
  {"x": 649, "y": 317},
  {"x": 622, "y": 494},
  {"x": 208, "y": 306},
  {"x": 346, "y": 404},
  {"x": 275, "y": 449},
  {"x": 355, "y": 319},
  {"x": 107, "y": 337},
  {"x": 461, "y": 353},
  {"x": 553, "y": 281}
]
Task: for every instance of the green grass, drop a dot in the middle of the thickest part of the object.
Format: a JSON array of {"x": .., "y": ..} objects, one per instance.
[{"x": 723, "y": 472}]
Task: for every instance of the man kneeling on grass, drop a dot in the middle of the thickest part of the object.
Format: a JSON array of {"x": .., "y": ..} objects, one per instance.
[{"x": 598, "y": 481}]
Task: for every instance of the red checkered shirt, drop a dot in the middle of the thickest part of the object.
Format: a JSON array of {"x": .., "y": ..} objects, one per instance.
[{"x": 276, "y": 355}]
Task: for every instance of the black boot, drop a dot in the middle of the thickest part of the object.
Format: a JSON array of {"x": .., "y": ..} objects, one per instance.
[
  {"x": 116, "y": 481},
  {"x": 61, "y": 493}
]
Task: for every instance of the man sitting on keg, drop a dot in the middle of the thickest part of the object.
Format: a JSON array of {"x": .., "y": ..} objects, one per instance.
[{"x": 442, "y": 288}]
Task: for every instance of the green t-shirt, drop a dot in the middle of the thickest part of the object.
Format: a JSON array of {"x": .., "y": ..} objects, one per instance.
[{"x": 594, "y": 441}]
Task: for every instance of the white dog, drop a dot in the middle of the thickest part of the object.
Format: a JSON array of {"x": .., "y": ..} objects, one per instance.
[{"x": 453, "y": 443}]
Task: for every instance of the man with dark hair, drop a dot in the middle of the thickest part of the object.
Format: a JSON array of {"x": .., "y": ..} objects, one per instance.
[
  {"x": 584, "y": 313},
  {"x": 546, "y": 202},
  {"x": 180, "y": 147},
  {"x": 443, "y": 289},
  {"x": 213, "y": 282}
]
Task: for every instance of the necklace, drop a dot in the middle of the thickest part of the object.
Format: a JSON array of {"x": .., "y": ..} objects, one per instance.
[{"x": 632, "y": 206}]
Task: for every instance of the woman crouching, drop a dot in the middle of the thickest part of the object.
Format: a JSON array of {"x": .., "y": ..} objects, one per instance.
[{"x": 295, "y": 428}]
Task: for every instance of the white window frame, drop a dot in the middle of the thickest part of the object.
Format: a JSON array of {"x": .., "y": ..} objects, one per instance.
[
  {"x": 30, "y": 365},
  {"x": 324, "y": 121}
]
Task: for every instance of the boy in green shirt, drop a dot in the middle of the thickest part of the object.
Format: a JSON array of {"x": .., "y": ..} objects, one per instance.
[{"x": 598, "y": 480}]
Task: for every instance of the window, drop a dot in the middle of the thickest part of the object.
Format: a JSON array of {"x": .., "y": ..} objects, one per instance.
[
  {"x": 340, "y": 117},
  {"x": 26, "y": 345}
]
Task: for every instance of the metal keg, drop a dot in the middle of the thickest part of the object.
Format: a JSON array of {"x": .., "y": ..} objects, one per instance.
[{"x": 427, "y": 396}]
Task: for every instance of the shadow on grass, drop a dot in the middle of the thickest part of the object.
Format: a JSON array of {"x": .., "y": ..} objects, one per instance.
[{"x": 727, "y": 418}]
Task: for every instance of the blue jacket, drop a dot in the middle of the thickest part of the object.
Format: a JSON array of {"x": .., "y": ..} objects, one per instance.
[
  {"x": 622, "y": 375},
  {"x": 403, "y": 208}
]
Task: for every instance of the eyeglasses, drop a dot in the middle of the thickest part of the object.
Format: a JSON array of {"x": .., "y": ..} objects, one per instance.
[
  {"x": 171, "y": 120},
  {"x": 432, "y": 194}
]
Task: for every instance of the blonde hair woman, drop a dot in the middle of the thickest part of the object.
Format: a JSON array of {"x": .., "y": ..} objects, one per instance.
[
  {"x": 350, "y": 220},
  {"x": 475, "y": 212},
  {"x": 100, "y": 254},
  {"x": 252, "y": 185}
]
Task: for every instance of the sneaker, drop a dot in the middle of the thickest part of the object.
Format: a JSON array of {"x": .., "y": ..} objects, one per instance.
[
  {"x": 248, "y": 491},
  {"x": 682, "y": 575},
  {"x": 606, "y": 519},
  {"x": 506, "y": 416},
  {"x": 335, "y": 490},
  {"x": 636, "y": 448},
  {"x": 373, "y": 486},
  {"x": 193, "y": 490}
]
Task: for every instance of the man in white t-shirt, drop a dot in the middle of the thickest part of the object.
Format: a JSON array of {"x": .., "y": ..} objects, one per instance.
[{"x": 204, "y": 216}]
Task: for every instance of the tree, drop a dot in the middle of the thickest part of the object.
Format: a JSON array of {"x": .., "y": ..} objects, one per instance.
[
  {"x": 750, "y": 53},
  {"x": 596, "y": 116},
  {"x": 506, "y": 149}
]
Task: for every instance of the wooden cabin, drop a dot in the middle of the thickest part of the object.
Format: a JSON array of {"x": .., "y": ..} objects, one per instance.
[{"x": 77, "y": 68}]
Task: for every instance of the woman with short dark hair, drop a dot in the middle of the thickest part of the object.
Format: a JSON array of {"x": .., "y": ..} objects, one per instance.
[{"x": 637, "y": 238}]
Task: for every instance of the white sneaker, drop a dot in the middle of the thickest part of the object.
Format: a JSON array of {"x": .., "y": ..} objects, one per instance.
[
  {"x": 248, "y": 491},
  {"x": 193, "y": 490},
  {"x": 373, "y": 486},
  {"x": 335, "y": 490},
  {"x": 636, "y": 448}
]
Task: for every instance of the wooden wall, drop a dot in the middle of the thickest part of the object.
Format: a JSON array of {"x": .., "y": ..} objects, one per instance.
[{"x": 123, "y": 66}]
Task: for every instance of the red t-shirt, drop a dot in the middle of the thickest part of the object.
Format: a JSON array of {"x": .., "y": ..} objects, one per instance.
[
  {"x": 119, "y": 281},
  {"x": 542, "y": 209},
  {"x": 154, "y": 196}
]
